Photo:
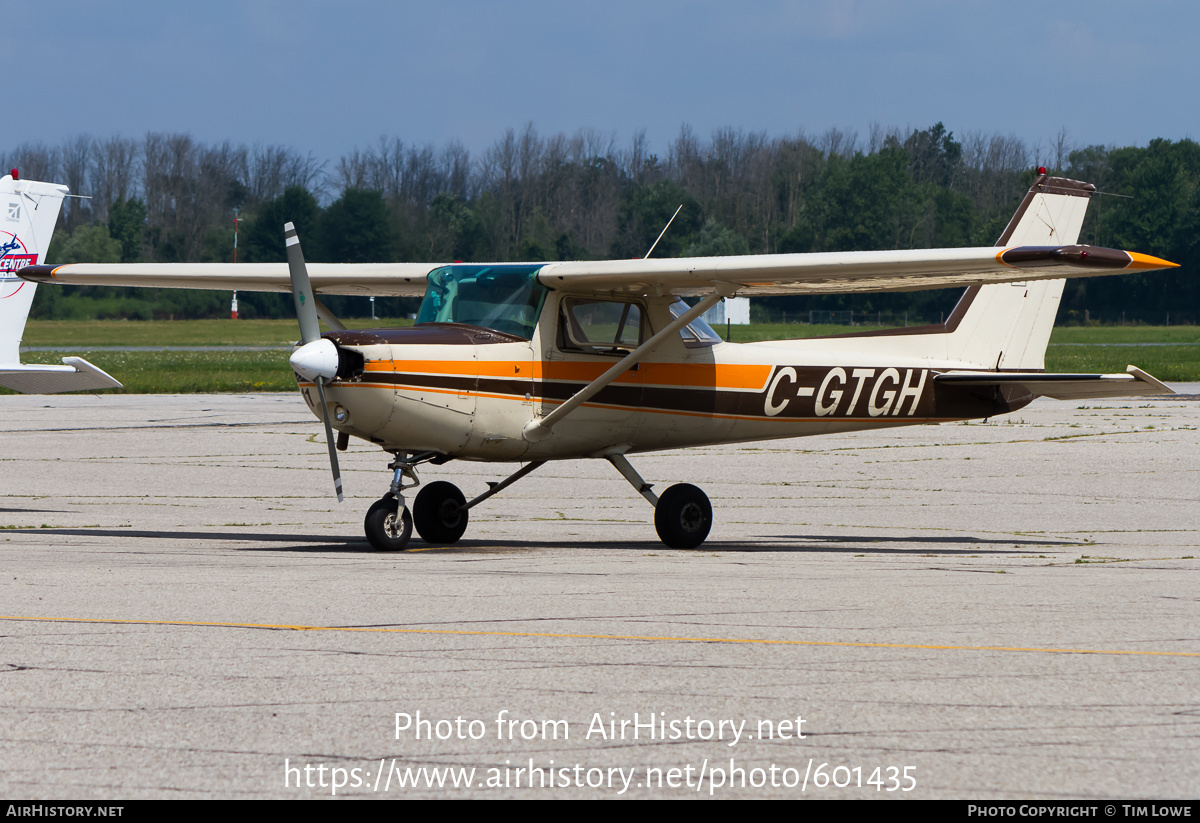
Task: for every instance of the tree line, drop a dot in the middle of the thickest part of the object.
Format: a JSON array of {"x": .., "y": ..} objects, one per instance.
[{"x": 170, "y": 198}]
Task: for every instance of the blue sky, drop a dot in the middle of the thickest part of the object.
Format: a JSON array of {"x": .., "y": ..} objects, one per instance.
[{"x": 326, "y": 78}]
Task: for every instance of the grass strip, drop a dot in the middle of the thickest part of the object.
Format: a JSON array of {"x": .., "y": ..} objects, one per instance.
[{"x": 155, "y": 372}]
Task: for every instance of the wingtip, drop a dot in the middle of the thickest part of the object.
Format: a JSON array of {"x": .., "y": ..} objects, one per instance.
[
  {"x": 40, "y": 273},
  {"x": 1146, "y": 261}
]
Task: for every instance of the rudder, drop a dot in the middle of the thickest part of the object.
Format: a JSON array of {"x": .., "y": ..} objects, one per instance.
[{"x": 1007, "y": 326}]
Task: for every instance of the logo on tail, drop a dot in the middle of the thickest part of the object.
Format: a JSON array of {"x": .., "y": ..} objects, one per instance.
[{"x": 13, "y": 257}]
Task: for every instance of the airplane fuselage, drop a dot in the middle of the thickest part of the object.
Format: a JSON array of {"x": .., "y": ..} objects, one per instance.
[{"x": 468, "y": 392}]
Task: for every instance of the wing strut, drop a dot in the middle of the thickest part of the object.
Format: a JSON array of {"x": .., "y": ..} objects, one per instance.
[
  {"x": 536, "y": 430},
  {"x": 329, "y": 317}
]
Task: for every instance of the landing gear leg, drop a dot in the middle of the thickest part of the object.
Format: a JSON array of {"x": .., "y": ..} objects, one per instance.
[{"x": 682, "y": 515}]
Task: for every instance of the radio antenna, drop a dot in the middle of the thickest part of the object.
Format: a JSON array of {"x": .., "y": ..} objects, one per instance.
[{"x": 664, "y": 231}]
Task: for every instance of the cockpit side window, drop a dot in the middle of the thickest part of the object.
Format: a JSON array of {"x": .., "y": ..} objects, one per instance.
[
  {"x": 506, "y": 299},
  {"x": 600, "y": 326}
]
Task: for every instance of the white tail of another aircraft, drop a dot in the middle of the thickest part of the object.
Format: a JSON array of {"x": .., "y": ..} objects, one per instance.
[{"x": 28, "y": 212}]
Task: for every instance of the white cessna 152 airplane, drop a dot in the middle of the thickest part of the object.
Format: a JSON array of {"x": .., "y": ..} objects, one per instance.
[
  {"x": 27, "y": 224},
  {"x": 554, "y": 361}
]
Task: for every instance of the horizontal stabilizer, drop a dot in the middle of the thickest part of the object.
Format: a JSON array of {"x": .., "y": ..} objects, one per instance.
[
  {"x": 76, "y": 374},
  {"x": 1133, "y": 383}
]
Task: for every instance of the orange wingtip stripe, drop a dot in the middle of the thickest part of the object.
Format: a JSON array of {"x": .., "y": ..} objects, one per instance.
[{"x": 1145, "y": 261}]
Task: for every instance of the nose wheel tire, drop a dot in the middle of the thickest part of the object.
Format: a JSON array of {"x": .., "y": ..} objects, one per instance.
[
  {"x": 438, "y": 513},
  {"x": 683, "y": 516},
  {"x": 388, "y": 526}
]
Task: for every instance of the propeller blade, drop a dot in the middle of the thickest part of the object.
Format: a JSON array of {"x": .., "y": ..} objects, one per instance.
[
  {"x": 312, "y": 361},
  {"x": 333, "y": 461},
  {"x": 302, "y": 293}
]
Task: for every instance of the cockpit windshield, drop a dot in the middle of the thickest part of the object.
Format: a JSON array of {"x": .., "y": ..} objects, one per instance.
[{"x": 500, "y": 297}]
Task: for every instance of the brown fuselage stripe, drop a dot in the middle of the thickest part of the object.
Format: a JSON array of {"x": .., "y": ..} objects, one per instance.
[
  {"x": 646, "y": 410},
  {"x": 848, "y": 396}
]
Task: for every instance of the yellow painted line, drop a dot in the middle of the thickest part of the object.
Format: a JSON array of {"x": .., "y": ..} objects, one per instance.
[{"x": 645, "y": 638}]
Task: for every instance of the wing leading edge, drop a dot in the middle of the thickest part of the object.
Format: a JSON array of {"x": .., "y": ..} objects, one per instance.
[
  {"x": 844, "y": 272},
  {"x": 381, "y": 279},
  {"x": 823, "y": 273}
]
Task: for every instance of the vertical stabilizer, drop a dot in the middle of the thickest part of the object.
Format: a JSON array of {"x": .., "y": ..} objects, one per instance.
[
  {"x": 1007, "y": 326},
  {"x": 28, "y": 212}
]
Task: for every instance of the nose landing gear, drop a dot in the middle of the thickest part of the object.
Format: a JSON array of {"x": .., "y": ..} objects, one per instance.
[
  {"x": 388, "y": 526},
  {"x": 388, "y": 523},
  {"x": 439, "y": 512}
]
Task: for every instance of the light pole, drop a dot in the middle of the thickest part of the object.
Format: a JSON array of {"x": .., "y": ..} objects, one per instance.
[{"x": 233, "y": 305}]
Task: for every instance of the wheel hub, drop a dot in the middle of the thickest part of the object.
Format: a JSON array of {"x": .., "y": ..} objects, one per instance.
[
  {"x": 691, "y": 517},
  {"x": 449, "y": 513}
]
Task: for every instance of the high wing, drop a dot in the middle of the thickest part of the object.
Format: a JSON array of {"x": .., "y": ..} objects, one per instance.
[
  {"x": 382, "y": 279},
  {"x": 765, "y": 274},
  {"x": 843, "y": 272},
  {"x": 1040, "y": 243}
]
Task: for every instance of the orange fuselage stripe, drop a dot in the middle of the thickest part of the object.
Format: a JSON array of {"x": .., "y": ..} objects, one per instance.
[{"x": 695, "y": 375}]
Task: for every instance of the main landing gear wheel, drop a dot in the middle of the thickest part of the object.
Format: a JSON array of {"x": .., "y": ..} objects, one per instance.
[
  {"x": 388, "y": 527},
  {"x": 438, "y": 513},
  {"x": 683, "y": 516}
]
